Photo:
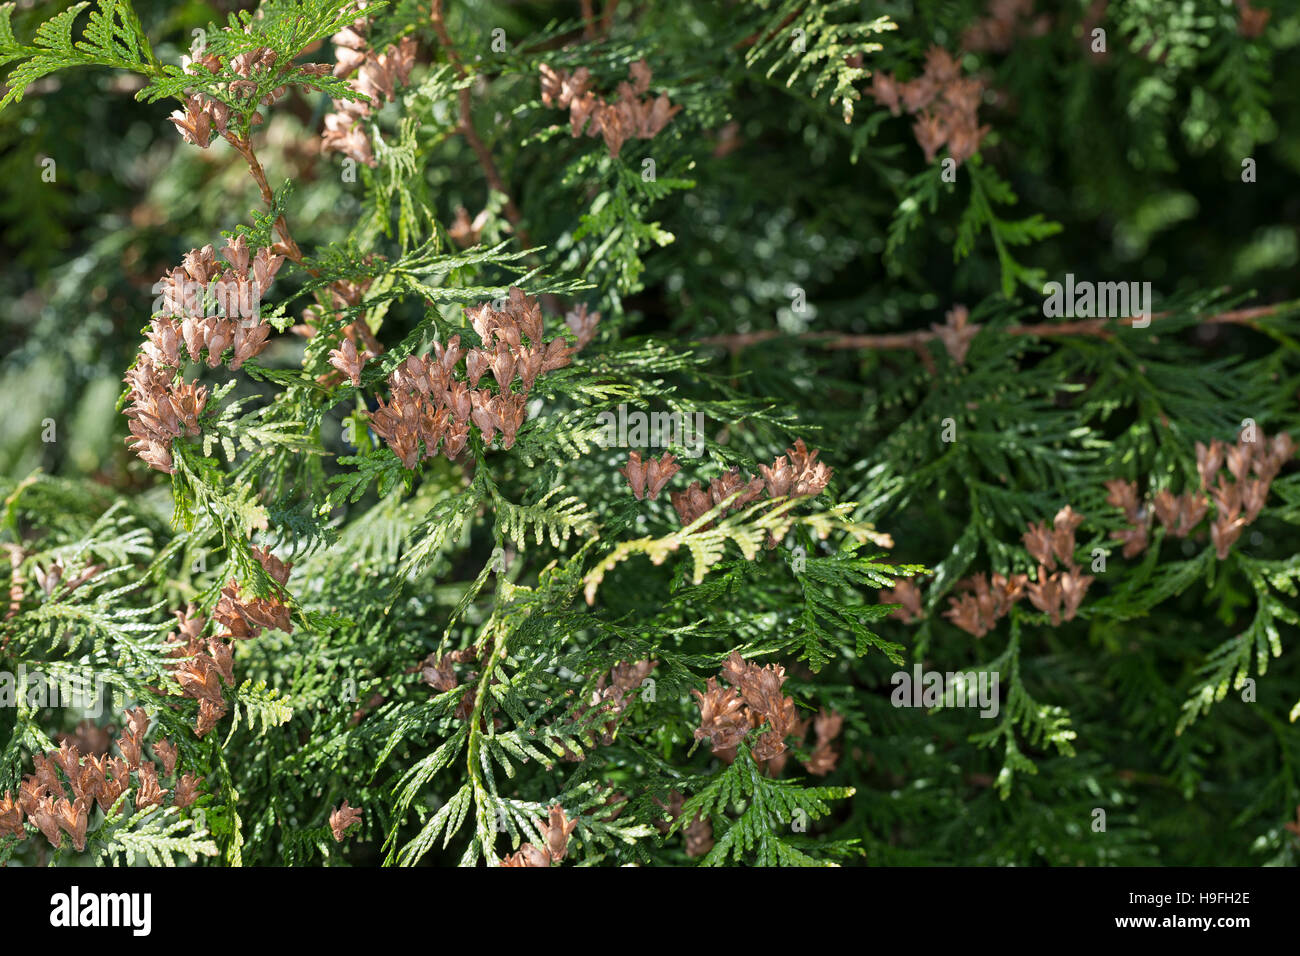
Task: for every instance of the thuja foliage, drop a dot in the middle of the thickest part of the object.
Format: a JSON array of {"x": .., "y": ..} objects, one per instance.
[{"x": 542, "y": 435}]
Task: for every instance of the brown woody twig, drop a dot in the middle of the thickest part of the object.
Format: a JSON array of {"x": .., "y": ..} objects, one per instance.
[
  {"x": 466, "y": 127},
  {"x": 918, "y": 339}
]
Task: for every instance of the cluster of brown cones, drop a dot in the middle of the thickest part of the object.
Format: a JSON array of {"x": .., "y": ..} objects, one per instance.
[
  {"x": 728, "y": 714},
  {"x": 431, "y": 405},
  {"x": 555, "y": 842},
  {"x": 582, "y": 324},
  {"x": 239, "y": 287},
  {"x": 203, "y": 663},
  {"x": 94, "y": 778},
  {"x": 956, "y": 333},
  {"x": 647, "y": 478},
  {"x": 795, "y": 474},
  {"x": 907, "y": 594},
  {"x": 160, "y": 410},
  {"x": 376, "y": 77},
  {"x": 1252, "y": 19},
  {"x": 349, "y": 361},
  {"x": 826, "y": 727},
  {"x": 464, "y": 231},
  {"x": 358, "y": 344},
  {"x": 1252, "y": 464},
  {"x": 205, "y": 115},
  {"x": 629, "y": 116},
  {"x": 981, "y": 603},
  {"x": 342, "y": 818},
  {"x": 613, "y": 694},
  {"x": 982, "y": 600},
  {"x": 1006, "y": 20},
  {"x": 439, "y": 672},
  {"x": 1059, "y": 594},
  {"x": 946, "y": 104},
  {"x": 48, "y": 579}
]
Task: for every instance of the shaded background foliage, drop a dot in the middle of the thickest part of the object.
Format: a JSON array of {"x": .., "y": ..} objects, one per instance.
[{"x": 1135, "y": 153}]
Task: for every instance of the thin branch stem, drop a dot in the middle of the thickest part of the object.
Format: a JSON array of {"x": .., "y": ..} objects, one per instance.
[
  {"x": 244, "y": 146},
  {"x": 466, "y": 127},
  {"x": 1104, "y": 328},
  {"x": 607, "y": 17}
]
